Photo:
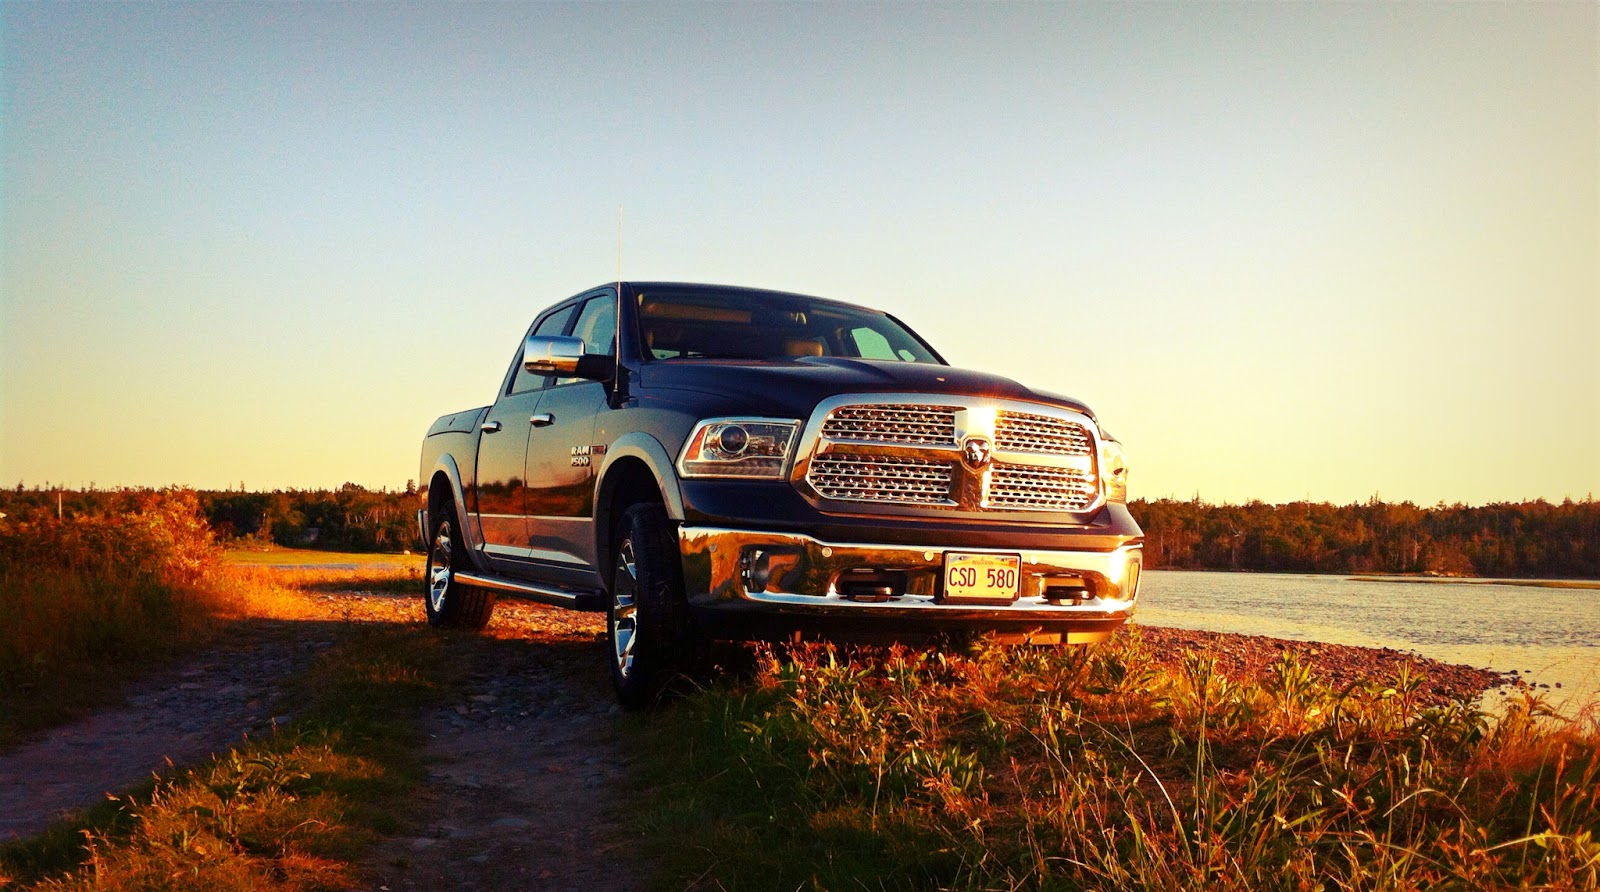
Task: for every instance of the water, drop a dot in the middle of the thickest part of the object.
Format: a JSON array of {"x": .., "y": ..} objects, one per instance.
[{"x": 1551, "y": 635}]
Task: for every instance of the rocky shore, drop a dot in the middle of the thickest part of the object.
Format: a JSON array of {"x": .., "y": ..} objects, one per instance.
[{"x": 1250, "y": 657}]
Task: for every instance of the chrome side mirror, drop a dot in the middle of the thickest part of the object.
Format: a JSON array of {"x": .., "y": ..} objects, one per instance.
[
  {"x": 552, "y": 356},
  {"x": 566, "y": 358}
]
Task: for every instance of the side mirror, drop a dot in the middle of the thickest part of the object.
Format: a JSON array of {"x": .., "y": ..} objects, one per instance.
[{"x": 565, "y": 357}]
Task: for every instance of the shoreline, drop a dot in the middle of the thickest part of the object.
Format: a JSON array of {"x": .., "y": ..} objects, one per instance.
[
  {"x": 1582, "y": 584},
  {"x": 1249, "y": 658}
]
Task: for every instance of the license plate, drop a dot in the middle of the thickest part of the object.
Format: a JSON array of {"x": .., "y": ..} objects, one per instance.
[{"x": 969, "y": 576}]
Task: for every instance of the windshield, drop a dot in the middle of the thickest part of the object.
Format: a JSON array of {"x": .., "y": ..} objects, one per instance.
[{"x": 713, "y": 325}]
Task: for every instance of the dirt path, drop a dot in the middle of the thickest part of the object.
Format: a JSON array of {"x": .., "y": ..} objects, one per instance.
[
  {"x": 524, "y": 767},
  {"x": 525, "y": 785},
  {"x": 177, "y": 716}
]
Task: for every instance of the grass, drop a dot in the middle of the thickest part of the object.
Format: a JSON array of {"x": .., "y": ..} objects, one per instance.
[
  {"x": 307, "y": 558},
  {"x": 98, "y": 598},
  {"x": 94, "y": 598},
  {"x": 329, "y": 571},
  {"x": 291, "y": 812},
  {"x": 821, "y": 768},
  {"x": 875, "y": 768}
]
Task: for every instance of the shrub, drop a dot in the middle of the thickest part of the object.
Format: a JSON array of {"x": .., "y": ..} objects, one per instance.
[{"x": 93, "y": 590}]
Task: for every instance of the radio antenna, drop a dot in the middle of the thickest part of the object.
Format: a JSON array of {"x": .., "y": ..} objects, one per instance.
[{"x": 616, "y": 345}]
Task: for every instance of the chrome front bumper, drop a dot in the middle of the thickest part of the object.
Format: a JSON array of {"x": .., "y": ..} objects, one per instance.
[{"x": 1083, "y": 595}]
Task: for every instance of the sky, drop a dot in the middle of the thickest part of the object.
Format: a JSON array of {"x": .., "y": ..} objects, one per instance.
[{"x": 1286, "y": 251}]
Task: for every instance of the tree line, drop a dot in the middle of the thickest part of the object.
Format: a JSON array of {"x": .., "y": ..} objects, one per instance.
[
  {"x": 1514, "y": 539},
  {"x": 350, "y": 518}
]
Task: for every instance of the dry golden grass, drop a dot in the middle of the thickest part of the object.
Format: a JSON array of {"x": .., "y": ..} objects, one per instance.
[
  {"x": 92, "y": 600},
  {"x": 1095, "y": 769}
]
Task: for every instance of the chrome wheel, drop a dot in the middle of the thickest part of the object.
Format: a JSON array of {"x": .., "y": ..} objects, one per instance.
[
  {"x": 647, "y": 596},
  {"x": 624, "y": 615},
  {"x": 439, "y": 574}
]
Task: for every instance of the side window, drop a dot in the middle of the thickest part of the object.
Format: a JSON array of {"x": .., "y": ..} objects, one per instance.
[
  {"x": 874, "y": 344},
  {"x": 597, "y": 325},
  {"x": 597, "y": 328},
  {"x": 551, "y": 325}
]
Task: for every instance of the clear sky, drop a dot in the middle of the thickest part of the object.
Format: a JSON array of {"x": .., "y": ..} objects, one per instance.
[{"x": 1287, "y": 251}]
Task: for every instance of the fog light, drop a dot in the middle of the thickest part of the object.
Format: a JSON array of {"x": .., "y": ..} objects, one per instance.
[{"x": 769, "y": 567}]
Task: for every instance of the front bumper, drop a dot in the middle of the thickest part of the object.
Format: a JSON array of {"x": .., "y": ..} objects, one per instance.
[{"x": 745, "y": 584}]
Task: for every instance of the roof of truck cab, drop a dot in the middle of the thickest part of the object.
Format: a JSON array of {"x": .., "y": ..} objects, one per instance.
[{"x": 740, "y": 289}]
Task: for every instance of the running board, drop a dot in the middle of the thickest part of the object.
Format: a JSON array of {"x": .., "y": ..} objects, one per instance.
[{"x": 591, "y": 602}]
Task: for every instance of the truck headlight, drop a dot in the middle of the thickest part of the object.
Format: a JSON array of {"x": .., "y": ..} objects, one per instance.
[
  {"x": 1114, "y": 470},
  {"x": 739, "y": 447}
]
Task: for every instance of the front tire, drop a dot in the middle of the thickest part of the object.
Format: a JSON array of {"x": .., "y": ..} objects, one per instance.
[
  {"x": 651, "y": 635},
  {"x": 447, "y": 601}
]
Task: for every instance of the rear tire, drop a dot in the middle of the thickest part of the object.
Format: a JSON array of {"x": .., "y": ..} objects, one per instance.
[
  {"x": 447, "y": 601},
  {"x": 652, "y": 638}
]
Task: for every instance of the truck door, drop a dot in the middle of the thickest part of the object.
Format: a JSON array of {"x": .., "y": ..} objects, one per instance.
[
  {"x": 562, "y": 459},
  {"x": 502, "y": 455}
]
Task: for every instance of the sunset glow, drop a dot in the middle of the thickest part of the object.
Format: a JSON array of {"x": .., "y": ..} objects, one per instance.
[{"x": 1286, "y": 251}]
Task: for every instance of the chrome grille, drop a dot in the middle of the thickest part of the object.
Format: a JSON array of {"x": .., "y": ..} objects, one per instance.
[
  {"x": 907, "y": 451},
  {"x": 860, "y": 478},
  {"x": 1040, "y": 434},
  {"x": 912, "y": 425},
  {"x": 1035, "y": 488}
]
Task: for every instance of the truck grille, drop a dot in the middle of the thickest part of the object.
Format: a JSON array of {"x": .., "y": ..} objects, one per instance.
[
  {"x": 859, "y": 478},
  {"x": 1032, "y": 488},
  {"x": 1041, "y": 434},
  {"x": 911, "y": 453},
  {"x": 912, "y": 425}
]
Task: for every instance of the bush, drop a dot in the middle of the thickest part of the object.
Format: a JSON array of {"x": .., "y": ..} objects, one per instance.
[{"x": 133, "y": 581}]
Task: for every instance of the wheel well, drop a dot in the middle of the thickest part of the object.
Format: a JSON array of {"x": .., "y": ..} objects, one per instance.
[
  {"x": 439, "y": 499},
  {"x": 627, "y": 483}
]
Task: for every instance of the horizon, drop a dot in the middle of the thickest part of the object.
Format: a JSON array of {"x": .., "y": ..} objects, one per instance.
[
  {"x": 1287, "y": 253},
  {"x": 1196, "y": 499}
]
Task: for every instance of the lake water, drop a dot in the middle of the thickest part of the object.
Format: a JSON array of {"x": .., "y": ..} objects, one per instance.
[{"x": 1551, "y": 635}]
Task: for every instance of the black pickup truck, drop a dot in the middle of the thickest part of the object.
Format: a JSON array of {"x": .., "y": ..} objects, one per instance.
[{"x": 703, "y": 461}]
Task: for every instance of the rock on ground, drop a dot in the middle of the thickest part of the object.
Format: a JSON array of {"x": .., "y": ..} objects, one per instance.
[{"x": 1250, "y": 657}]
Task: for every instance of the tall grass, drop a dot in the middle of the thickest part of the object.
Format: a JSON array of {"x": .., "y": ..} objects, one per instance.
[
  {"x": 1091, "y": 769},
  {"x": 87, "y": 595}
]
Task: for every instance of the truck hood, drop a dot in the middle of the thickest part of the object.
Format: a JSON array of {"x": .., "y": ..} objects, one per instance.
[{"x": 792, "y": 388}]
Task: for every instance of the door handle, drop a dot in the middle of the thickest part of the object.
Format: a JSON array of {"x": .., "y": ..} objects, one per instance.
[
  {"x": 489, "y": 427},
  {"x": 543, "y": 419}
]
